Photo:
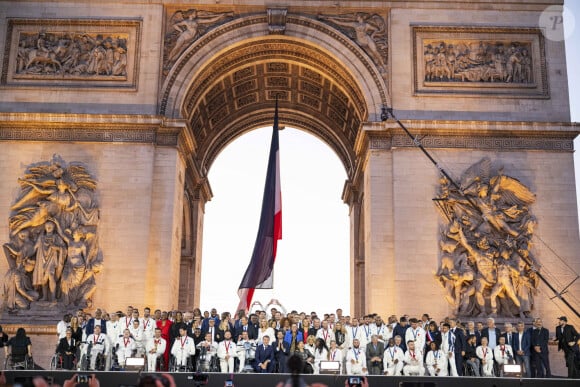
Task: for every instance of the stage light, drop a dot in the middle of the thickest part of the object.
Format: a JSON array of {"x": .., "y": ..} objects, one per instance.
[
  {"x": 134, "y": 364},
  {"x": 512, "y": 370},
  {"x": 329, "y": 367}
]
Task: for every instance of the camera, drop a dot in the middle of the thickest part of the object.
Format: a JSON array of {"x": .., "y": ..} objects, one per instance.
[
  {"x": 355, "y": 381},
  {"x": 83, "y": 378}
]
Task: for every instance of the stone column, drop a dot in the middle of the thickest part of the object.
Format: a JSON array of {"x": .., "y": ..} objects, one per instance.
[
  {"x": 352, "y": 196},
  {"x": 191, "y": 254},
  {"x": 377, "y": 211}
]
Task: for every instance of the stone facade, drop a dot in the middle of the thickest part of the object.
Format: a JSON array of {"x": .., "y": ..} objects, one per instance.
[{"x": 151, "y": 137}]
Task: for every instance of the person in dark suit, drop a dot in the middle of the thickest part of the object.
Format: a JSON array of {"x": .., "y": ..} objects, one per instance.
[
  {"x": 492, "y": 333},
  {"x": 67, "y": 348},
  {"x": 432, "y": 334},
  {"x": 281, "y": 352},
  {"x": 566, "y": 335},
  {"x": 522, "y": 341},
  {"x": 471, "y": 330},
  {"x": 374, "y": 354},
  {"x": 264, "y": 360},
  {"x": 401, "y": 330},
  {"x": 213, "y": 316},
  {"x": 460, "y": 345},
  {"x": 97, "y": 320},
  {"x": 240, "y": 327},
  {"x": 507, "y": 333},
  {"x": 253, "y": 327},
  {"x": 540, "y": 355}
]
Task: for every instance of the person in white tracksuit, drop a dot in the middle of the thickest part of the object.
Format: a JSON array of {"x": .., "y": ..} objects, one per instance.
[
  {"x": 155, "y": 349},
  {"x": 125, "y": 347},
  {"x": 183, "y": 347},
  {"x": 227, "y": 352},
  {"x": 393, "y": 359}
]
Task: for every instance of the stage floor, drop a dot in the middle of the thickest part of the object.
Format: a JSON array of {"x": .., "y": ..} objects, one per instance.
[{"x": 118, "y": 379}]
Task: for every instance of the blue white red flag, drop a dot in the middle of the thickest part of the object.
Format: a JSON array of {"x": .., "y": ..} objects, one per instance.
[{"x": 260, "y": 271}]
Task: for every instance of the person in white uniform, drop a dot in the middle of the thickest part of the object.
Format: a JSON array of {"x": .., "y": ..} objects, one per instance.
[
  {"x": 155, "y": 349},
  {"x": 325, "y": 333},
  {"x": 207, "y": 350},
  {"x": 114, "y": 330},
  {"x": 436, "y": 361},
  {"x": 227, "y": 352},
  {"x": 183, "y": 347},
  {"x": 503, "y": 354},
  {"x": 486, "y": 355},
  {"x": 245, "y": 348},
  {"x": 125, "y": 347},
  {"x": 356, "y": 362},
  {"x": 393, "y": 359},
  {"x": 355, "y": 331},
  {"x": 417, "y": 334},
  {"x": 413, "y": 361},
  {"x": 448, "y": 347},
  {"x": 99, "y": 343},
  {"x": 148, "y": 325},
  {"x": 137, "y": 335}
]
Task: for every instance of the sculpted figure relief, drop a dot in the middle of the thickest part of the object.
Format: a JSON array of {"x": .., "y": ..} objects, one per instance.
[
  {"x": 368, "y": 31},
  {"x": 463, "y": 61},
  {"x": 53, "y": 251},
  {"x": 486, "y": 263},
  {"x": 185, "y": 27},
  {"x": 72, "y": 54}
]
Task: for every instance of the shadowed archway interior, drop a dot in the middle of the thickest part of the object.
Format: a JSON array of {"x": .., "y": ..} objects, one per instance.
[{"x": 235, "y": 93}]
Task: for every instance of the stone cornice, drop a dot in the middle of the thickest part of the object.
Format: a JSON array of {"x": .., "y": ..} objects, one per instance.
[
  {"x": 497, "y": 135},
  {"x": 148, "y": 129}
]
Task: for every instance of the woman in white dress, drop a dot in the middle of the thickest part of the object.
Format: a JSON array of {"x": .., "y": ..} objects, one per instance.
[{"x": 265, "y": 330}]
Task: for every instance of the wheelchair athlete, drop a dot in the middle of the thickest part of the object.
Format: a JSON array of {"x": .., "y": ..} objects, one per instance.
[
  {"x": 95, "y": 350},
  {"x": 207, "y": 359},
  {"x": 182, "y": 350},
  {"x": 65, "y": 352},
  {"x": 18, "y": 351}
]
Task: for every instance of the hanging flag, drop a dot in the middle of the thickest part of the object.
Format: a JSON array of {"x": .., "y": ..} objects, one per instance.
[{"x": 260, "y": 271}]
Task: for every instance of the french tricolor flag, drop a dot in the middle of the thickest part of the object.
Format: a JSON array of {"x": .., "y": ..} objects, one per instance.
[{"x": 260, "y": 271}]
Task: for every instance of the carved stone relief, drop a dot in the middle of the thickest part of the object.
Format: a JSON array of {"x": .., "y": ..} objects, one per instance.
[
  {"x": 185, "y": 27},
  {"x": 486, "y": 263},
  {"x": 67, "y": 54},
  {"x": 103, "y": 52},
  {"x": 53, "y": 253},
  {"x": 369, "y": 31},
  {"x": 480, "y": 61},
  {"x": 477, "y": 61}
]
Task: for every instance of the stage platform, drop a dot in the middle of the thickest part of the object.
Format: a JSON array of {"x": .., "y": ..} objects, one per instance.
[{"x": 117, "y": 379}]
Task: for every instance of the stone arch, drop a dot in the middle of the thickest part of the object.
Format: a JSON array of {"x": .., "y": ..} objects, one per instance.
[{"x": 225, "y": 83}]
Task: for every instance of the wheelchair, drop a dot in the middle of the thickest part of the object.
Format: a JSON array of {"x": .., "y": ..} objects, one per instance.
[
  {"x": 57, "y": 362},
  {"x": 468, "y": 369},
  {"x": 100, "y": 361},
  {"x": 174, "y": 367},
  {"x": 206, "y": 361},
  {"x": 159, "y": 364},
  {"x": 249, "y": 350},
  {"x": 19, "y": 359}
]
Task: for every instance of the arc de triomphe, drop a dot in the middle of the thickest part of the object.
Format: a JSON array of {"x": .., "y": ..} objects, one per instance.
[{"x": 112, "y": 114}]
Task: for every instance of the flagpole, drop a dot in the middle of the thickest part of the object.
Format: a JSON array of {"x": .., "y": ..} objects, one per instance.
[{"x": 259, "y": 274}]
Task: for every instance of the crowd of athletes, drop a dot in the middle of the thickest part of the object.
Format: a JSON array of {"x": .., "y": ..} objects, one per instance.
[{"x": 262, "y": 342}]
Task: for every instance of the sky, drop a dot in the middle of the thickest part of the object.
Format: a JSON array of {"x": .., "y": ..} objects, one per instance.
[{"x": 314, "y": 250}]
